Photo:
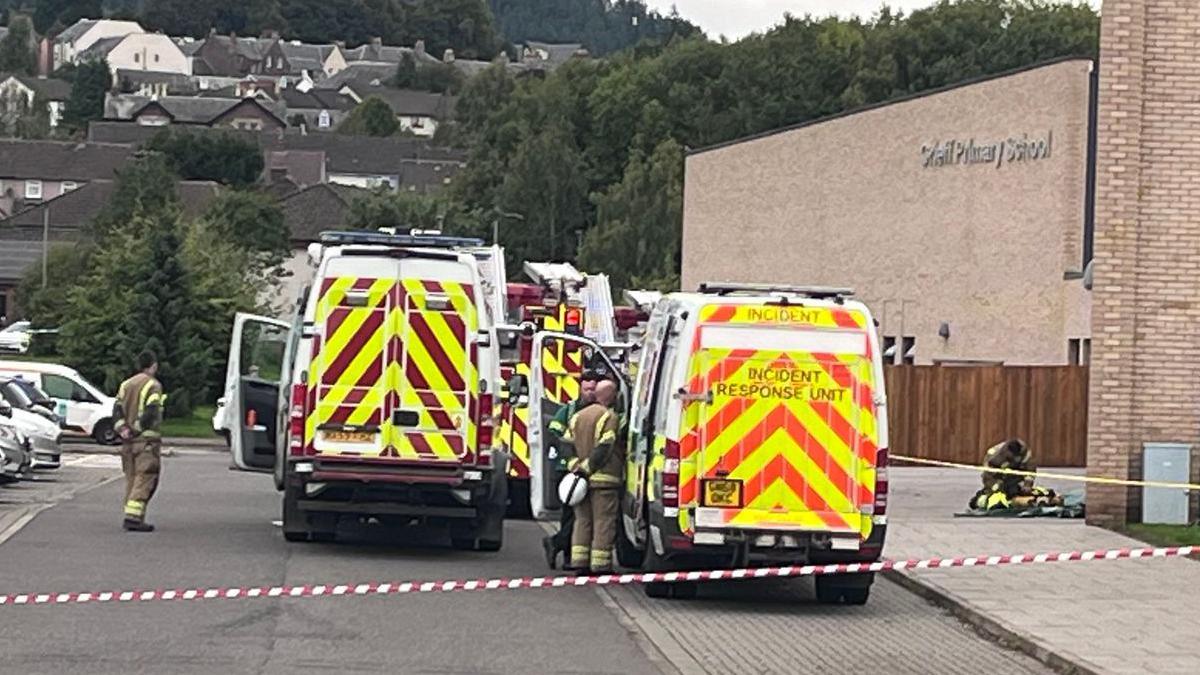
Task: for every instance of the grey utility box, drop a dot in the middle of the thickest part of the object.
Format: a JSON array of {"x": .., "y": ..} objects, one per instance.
[{"x": 1170, "y": 463}]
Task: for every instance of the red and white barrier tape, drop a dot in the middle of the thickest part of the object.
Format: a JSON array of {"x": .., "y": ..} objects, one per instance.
[{"x": 398, "y": 588}]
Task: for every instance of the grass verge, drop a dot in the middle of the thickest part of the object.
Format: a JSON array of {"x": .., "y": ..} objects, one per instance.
[
  {"x": 199, "y": 425},
  {"x": 1165, "y": 535}
]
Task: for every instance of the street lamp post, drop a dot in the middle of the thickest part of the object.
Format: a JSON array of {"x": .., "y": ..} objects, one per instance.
[{"x": 496, "y": 223}]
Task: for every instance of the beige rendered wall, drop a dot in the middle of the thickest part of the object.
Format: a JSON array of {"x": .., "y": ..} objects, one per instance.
[{"x": 853, "y": 202}]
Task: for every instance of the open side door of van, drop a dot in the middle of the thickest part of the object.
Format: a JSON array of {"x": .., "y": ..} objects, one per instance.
[
  {"x": 557, "y": 368},
  {"x": 253, "y": 377}
]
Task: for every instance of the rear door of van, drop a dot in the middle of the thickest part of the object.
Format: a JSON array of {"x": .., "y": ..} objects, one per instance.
[
  {"x": 395, "y": 365},
  {"x": 783, "y": 437}
]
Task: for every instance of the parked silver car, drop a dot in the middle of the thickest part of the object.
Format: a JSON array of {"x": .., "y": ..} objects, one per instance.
[
  {"x": 44, "y": 436},
  {"x": 15, "y": 450}
]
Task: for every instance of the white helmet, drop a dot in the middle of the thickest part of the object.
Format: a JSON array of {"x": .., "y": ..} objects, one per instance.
[{"x": 572, "y": 489}]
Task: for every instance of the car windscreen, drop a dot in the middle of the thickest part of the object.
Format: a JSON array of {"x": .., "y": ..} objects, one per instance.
[
  {"x": 35, "y": 394},
  {"x": 15, "y": 395}
]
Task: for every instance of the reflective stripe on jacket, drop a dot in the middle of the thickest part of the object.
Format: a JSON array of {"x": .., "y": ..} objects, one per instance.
[{"x": 139, "y": 406}]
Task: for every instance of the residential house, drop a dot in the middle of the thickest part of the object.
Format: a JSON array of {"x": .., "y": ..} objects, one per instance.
[
  {"x": 419, "y": 112},
  {"x": 410, "y": 164},
  {"x": 247, "y": 114},
  {"x": 152, "y": 84},
  {"x": 307, "y": 213},
  {"x": 306, "y": 61},
  {"x": 548, "y": 56},
  {"x": 27, "y": 235},
  {"x": 233, "y": 56},
  {"x": 320, "y": 109},
  {"x": 81, "y": 35},
  {"x": 36, "y": 171},
  {"x": 21, "y": 91},
  {"x": 139, "y": 51}
]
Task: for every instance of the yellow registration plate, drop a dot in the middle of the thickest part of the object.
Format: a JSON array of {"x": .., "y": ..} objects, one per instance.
[
  {"x": 349, "y": 436},
  {"x": 723, "y": 493}
]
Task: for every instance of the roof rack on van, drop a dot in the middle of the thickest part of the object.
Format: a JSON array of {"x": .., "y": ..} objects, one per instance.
[
  {"x": 820, "y": 292},
  {"x": 363, "y": 238}
]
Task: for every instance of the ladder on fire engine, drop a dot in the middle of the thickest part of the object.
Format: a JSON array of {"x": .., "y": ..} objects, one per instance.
[{"x": 590, "y": 291}]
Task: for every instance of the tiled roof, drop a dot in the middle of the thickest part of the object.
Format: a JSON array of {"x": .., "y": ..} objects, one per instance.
[
  {"x": 53, "y": 160},
  {"x": 48, "y": 88},
  {"x": 318, "y": 208},
  {"x": 408, "y": 101},
  {"x": 76, "y": 30},
  {"x": 316, "y": 99},
  {"x": 101, "y": 48}
]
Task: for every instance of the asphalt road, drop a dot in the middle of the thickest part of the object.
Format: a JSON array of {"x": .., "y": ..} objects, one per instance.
[{"x": 216, "y": 529}]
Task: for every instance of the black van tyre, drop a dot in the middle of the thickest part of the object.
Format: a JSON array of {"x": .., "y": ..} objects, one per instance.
[
  {"x": 295, "y": 525},
  {"x": 104, "y": 434},
  {"x": 628, "y": 555},
  {"x": 850, "y": 589},
  {"x": 679, "y": 590}
]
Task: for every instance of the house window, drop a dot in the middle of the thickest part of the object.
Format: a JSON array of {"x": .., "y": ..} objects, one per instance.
[
  {"x": 137, "y": 58},
  {"x": 33, "y": 189},
  {"x": 323, "y": 120},
  {"x": 248, "y": 125},
  {"x": 418, "y": 122},
  {"x": 889, "y": 349},
  {"x": 67, "y": 186},
  {"x": 908, "y": 346},
  {"x": 156, "y": 58}
]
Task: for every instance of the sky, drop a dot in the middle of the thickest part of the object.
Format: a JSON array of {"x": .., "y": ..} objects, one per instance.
[{"x": 737, "y": 18}]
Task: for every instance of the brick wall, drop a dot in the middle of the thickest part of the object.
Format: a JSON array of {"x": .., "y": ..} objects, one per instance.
[{"x": 1145, "y": 384}]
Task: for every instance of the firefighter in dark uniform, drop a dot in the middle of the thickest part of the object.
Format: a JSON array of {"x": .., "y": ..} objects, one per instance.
[
  {"x": 559, "y": 452},
  {"x": 598, "y": 457},
  {"x": 138, "y": 413},
  {"x": 1004, "y": 490}
]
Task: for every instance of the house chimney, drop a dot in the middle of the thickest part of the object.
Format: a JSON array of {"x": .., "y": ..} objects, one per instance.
[
  {"x": 419, "y": 48},
  {"x": 45, "y": 59},
  {"x": 448, "y": 56},
  {"x": 376, "y": 42},
  {"x": 340, "y": 44}
]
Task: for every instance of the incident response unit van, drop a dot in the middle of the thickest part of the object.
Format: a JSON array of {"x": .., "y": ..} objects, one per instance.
[
  {"x": 376, "y": 401},
  {"x": 757, "y": 435}
]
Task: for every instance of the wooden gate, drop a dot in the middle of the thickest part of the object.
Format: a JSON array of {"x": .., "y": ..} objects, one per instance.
[{"x": 953, "y": 413}]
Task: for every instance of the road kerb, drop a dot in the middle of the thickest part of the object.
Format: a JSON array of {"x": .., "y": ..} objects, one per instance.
[{"x": 988, "y": 626}]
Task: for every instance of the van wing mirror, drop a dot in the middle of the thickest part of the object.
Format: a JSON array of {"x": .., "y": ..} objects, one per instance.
[
  {"x": 687, "y": 397},
  {"x": 6, "y": 410}
]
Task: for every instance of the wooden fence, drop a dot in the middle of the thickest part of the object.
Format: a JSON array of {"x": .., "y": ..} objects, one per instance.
[{"x": 954, "y": 413}]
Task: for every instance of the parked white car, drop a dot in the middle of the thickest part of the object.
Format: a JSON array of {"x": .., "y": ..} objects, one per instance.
[
  {"x": 45, "y": 438},
  {"x": 16, "y": 337},
  {"x": 86, "y": 409}
]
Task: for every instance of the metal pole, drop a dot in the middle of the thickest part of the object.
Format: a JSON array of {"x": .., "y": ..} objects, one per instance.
[
  {"x": 495, "y": 230},
  {"x": 45, "y": 244}
]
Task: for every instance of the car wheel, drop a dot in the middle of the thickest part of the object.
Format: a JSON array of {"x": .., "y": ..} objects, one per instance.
[{"x": 104, "y": 433}]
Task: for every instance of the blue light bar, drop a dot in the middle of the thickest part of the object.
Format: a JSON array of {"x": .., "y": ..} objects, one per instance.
[{"x": 366, "y": 238}]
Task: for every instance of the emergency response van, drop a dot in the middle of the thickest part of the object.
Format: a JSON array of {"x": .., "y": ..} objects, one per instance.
[
  {"x": 757, "y": 434},
  {"x": 376, "y": 401}
]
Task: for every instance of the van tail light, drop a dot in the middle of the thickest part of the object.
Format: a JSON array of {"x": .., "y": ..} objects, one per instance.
[
  {"x": 670, "y": 475},
  {"x": 485, "y": 425},
  {"x": 881, "y": 482},
  {"x": 297, "y": 445}
]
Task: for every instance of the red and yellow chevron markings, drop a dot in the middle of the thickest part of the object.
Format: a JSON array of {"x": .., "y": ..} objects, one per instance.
[
  {"x": 389, "y": 346},
  {"x": 805, "y": 460}
]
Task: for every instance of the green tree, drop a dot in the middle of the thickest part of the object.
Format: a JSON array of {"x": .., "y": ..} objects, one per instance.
[
  {"x": 637, "y": 236},
  {"x": 17, "y": 47},
  {"x": 372, "y": 117},
  {"x": 92, "y": 81},
  {"x": 20, "y": 118},
  {"x": 224, "y": 158},
  {"x": 406, "y": 210},
  {"x": 138, "y": 295},
  {"x": 603, "y": 26},
  {"x": 147, "y": 185},
  {"x": 251, "y": 221},
  {"x": 441, "y": 78},
  {"x": 47, "y": 305}
]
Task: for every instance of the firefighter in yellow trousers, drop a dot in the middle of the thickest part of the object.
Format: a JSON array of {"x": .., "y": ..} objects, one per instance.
[
  {"x": 139, "y": 413},
  {"x": 597, "y": 457}
]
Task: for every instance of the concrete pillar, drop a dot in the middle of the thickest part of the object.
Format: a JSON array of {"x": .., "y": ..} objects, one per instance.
[{"x": 1145, "y": 370}]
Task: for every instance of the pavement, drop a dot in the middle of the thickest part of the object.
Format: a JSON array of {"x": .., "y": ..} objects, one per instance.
[
  {"x": 1135, "y": 616},
  {"x": 216, "y": 529}
]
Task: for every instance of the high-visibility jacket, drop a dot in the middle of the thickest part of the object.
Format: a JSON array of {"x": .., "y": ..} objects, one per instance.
[
  {"x": 139, "y": 407},
  {"x": 999, "y": 456},
  {"x": 594, "y": 430}
]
